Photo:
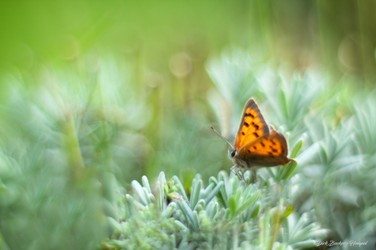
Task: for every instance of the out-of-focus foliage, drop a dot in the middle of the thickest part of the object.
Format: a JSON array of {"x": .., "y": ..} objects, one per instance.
[{"x": 82, "y": 128}]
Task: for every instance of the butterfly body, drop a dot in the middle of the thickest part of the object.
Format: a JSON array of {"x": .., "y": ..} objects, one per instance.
[{"x": 257, "y": 144}]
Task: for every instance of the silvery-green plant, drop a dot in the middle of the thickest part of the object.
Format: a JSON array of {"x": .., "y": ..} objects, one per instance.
[
  {"x": 335, "y": 122},
  {"x": 227, "y": 213}
]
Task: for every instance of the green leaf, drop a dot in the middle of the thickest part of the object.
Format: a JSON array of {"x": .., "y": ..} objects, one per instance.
[
  {"x": 288, "y": 210},
  {"x": 296, "y": 149},
  {"x": 232, "y": 206},
  {"x": 195, "y": 191},
  {"x": 214, "y": 192},
  {"x": 248, "y": 203},
  {"x": 288, "y": 170}
]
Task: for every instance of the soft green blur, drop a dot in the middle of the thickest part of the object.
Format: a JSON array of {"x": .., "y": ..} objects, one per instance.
[
  {"x": 95, "y": 94},
  {"x": 333, "y": 35}
]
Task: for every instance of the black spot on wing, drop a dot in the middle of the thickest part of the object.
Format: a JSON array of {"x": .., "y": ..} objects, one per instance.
[
  {"x": 256, "y": 134},
  {"x": 246, "y": 124},
  {"x": 249, "y": 114},
  {"x": 255, "y": 125}
]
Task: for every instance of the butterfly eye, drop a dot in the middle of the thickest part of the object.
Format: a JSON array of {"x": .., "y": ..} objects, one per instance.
[{"x": 232, "y": 153}]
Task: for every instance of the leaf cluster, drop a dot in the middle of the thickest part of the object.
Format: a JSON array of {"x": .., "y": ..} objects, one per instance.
[{"x": 227, "y": 213}]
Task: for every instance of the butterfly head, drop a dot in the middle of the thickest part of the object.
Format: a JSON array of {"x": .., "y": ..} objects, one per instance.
[
  {"x": 238, "y": 161},
  {"x": 232, "y": 153}
]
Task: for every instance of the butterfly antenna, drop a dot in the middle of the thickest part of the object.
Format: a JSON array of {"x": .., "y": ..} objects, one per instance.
[{"x": 220, "y": 136}]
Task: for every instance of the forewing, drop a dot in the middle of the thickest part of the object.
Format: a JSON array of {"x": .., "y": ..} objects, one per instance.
[{"x": 252, "y": 125}]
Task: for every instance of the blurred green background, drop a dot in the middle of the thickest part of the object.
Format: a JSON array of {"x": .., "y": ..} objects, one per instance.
[
  {"x": 95, "y": 94},
  {"x": 336, "y": 35}
]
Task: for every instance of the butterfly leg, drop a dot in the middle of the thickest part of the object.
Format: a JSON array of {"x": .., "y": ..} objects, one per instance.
[
  {"x": 254, "y": 175},
  {"x": 238, "y": 172}
]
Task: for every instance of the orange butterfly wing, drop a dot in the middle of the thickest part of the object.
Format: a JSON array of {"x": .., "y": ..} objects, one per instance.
[
  {"x": 266, "y": 151},
  {"x": 252, "y": 125},
  {"x": 256, "y": 143}
]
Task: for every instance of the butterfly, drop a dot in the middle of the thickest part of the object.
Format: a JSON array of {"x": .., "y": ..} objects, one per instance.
[{"x": 257, "y": 144}]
